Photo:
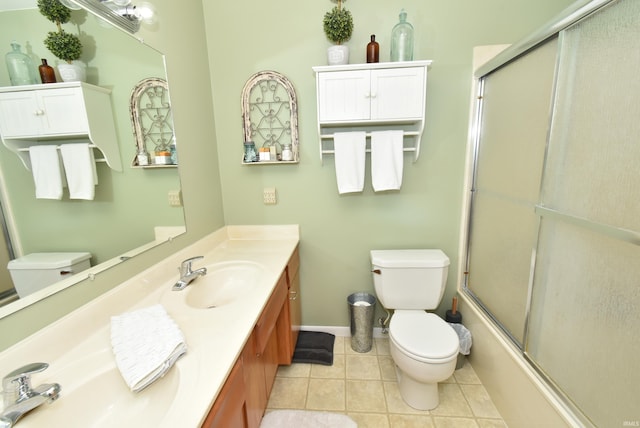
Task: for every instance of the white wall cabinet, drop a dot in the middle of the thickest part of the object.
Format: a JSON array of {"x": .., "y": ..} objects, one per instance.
[
  {"x": 372, "y": 97},
  {"x": 58, "y": 113}
]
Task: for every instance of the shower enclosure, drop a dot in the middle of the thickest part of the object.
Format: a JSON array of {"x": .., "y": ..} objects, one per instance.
[{"x": 553, "y": 253}]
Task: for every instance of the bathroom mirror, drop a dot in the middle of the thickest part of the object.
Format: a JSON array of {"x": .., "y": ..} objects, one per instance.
[
  {"x": 131, "y": 211},
  {"x": 270, "y": 116}
]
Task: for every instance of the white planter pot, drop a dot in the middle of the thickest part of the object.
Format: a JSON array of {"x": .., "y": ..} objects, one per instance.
[
  {"x": 338, "y": 55},
  {"x": 74, "y": 72}
]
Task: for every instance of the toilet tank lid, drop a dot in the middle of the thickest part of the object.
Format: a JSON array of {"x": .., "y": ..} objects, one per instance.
[
  {"x": 431, "y": 258},
  {"x": 48, "y": 260}
]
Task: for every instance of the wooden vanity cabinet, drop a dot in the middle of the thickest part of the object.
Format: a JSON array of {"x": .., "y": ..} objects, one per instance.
[
  {"x": 243, "y": 399},
  {"x": 230, "y": 411},
  {"x": 290, "y": 319}
]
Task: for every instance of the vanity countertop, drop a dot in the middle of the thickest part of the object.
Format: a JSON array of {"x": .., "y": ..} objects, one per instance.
[{"x": 78, "y": 349}]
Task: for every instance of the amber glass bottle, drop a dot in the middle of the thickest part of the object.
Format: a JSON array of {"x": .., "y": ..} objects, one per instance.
[
  {"x": 373, "y": 50},
  {"x": 46, "y": 72}
]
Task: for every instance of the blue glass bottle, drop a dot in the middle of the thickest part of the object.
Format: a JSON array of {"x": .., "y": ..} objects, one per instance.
[
  {"x": 402, "y": 40},
  {"x": 20, "y": 67}
]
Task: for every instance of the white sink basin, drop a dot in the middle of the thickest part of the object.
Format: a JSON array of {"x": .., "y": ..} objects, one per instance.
[
  {"x": 224, "y": 283},
  {"x": 103, "y": 399}
]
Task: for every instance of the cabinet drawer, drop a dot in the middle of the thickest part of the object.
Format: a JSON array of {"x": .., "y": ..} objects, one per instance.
[{"x": 267, "y": 321}]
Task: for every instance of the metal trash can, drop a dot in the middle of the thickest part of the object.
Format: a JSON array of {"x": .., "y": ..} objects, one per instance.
[{"x": 362, "y": 308}]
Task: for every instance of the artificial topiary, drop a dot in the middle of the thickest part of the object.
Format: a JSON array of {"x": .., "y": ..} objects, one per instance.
[
  {"x": 338, "y": 24},
  {"x": 63, "y": 45}
]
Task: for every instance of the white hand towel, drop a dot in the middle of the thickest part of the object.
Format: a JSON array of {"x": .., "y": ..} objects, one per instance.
[
  {"x": 386, "y": 160},
  {"x": 80, "y": 169},
  {"x": 349, "y": 153},
  {"x": 146, "y": 344},
  {"x": 47, "y": 175}
]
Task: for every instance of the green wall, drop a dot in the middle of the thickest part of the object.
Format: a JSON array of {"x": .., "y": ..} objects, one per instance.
[
  {"x": 135, "y": 200},
  {"x": 337, "y": 231},
  {"x": 243, "y": 37}
]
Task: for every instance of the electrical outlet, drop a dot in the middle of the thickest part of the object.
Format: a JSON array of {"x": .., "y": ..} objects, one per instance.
[
  {"x": 269, "y": 195},
  {"x": 175, "y": 198}
]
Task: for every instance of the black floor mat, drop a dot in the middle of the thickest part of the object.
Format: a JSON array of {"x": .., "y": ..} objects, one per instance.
[{"x": 314, "y": 347}]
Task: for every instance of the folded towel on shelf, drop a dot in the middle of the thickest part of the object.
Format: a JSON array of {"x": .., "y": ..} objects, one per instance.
[
  {"x": 349, "y": 153},
  {"x": 146, "y": 344},
  {"x": 386, "y": 160},
  {"x": 80, "y": 169},
  {"x": 47, "y": 175}
]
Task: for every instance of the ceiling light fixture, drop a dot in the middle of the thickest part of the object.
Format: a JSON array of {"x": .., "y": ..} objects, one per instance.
[{"x": 121, "y": 13}]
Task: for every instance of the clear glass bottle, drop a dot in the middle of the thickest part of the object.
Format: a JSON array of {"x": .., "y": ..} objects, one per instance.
[
  {"x": 47, "y": 75},
  {"x": 402, "y": 40},
  {"x": 373, "y": 50},
  {"x": 20, "y": 67}
]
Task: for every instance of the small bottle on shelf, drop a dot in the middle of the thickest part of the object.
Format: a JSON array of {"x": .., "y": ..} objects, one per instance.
[
  {"x": 373, "y": 50},
  {"x": 47, "y": 75}
]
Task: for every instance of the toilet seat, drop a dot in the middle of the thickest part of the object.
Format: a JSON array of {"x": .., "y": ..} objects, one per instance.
[{"x": 424, "y": 336}]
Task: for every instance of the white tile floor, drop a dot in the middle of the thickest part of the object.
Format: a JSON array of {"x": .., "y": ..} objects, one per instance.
[{"x": 363, "y": 386}]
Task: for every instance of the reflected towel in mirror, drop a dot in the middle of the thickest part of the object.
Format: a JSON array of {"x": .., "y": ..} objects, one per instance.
[
  {"x": 80, "y": 170},
  {"x": 47, "y": 174}
]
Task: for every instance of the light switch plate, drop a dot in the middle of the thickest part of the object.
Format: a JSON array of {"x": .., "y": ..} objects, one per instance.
[
  {"x": 269, "y": 195},
  {"x": 175, "y": 198}
]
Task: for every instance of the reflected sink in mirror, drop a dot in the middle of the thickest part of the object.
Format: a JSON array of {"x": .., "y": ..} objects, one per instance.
[{"x": 223, "y": 283}]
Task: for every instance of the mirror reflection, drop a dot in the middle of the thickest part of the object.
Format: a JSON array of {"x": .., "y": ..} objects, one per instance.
[{"x": 131, "y": 208}]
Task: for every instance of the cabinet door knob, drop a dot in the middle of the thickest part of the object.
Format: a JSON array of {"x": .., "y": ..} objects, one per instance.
[{"x": 39, "y": 112}]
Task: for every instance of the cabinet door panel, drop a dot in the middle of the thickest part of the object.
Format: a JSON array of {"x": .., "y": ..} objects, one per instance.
[
  {"x": 344, "y": 95},
  {"x": 397, "y": 93},
  {"x": 65, "y": 112},
  {"x": 20, "y": 114},
  {"x": 228, "y": 411}
]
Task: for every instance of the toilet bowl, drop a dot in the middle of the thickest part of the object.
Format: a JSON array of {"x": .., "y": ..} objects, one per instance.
[
  {"x": 425, "y": 351},
  {"x": 423, "y": 346}
]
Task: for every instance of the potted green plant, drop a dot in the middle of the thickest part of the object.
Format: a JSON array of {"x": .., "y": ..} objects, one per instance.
[
  {"x": 65, "y": 46},
  {"x": 338, "y": 27}
]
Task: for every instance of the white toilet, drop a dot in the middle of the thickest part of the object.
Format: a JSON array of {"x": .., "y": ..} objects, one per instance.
[
  {"x": 36, "y": 271},
  {"x": 423, "y": 346}
]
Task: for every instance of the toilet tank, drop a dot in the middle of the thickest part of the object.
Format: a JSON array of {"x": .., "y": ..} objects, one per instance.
[
  {"x": 409, "y": 279},
  {"x": 36, "y": 271}
]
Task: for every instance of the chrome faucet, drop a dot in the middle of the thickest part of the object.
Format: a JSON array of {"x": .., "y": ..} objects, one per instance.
[
  {"x": 20, "y": 398},
  {"x": 187, "y": 275}
]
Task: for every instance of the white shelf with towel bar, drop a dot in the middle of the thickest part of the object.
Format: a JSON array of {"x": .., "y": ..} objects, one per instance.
[
  {"x": 91, "y": 146},
  {"x": 411, "y": 149},
  {"x": 58, "y": 113},
  {"x": 372, "y": 97}
]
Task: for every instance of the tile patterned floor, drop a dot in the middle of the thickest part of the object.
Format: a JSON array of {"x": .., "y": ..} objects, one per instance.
[{"x": 363, "y": 386}]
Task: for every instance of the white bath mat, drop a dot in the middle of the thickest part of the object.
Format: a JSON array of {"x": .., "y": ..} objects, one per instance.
[{"x": 305, "y": 419}]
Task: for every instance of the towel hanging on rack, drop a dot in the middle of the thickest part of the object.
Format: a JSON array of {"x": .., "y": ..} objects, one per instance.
[
  {"x": 80, "y": 169},
  {"x": 349, "y": 159},
  {"x": 47, "y": 174},
  {"x": 386, "y": 160}
]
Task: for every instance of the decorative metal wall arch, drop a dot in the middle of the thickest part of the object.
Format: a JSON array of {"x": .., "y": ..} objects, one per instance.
[
  {"x": 151, "y": 117},
  {"x": 270, "y": 112}
]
